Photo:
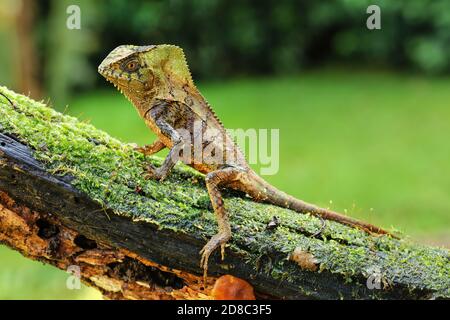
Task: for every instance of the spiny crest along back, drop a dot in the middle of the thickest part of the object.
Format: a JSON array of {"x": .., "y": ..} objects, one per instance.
[{"x": 169, "y": 60}]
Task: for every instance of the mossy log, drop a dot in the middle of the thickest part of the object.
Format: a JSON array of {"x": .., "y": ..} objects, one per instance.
[{"x": 71, "y": 195}]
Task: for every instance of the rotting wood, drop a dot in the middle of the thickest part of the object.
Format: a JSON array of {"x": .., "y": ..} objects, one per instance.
[{"x": 117, "y": 273}]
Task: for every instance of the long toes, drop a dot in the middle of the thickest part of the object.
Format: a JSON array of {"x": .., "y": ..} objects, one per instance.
[
  {"x": 202, "y": 260},
  {"x": 204, "y": 263},
  {"x": 214, "y": 243},
  {"x": 205, "y": 253},
  {"x": 202, "y": 257},
  {"x": 153, "y": 173},
  {"x": 150, "y": 176},
  {"x": 222, "y": 251}
]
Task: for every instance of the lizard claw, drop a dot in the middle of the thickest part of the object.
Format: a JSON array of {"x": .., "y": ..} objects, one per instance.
[
  {"x": 153, "y": 173},
  {"x": 204, "y": 262},
  {"x": 218, "y": 240},
  {"x": 139, "y": 149}
]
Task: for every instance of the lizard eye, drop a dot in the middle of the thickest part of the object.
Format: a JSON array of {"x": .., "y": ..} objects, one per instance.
[{"x": 130, "y": 66}]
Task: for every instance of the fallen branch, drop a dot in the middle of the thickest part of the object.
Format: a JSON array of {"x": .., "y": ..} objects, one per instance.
[{"x": 73, "y": 196}]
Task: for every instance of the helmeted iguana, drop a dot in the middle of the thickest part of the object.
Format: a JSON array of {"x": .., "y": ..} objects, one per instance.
[{"x": 156, "y": 79}]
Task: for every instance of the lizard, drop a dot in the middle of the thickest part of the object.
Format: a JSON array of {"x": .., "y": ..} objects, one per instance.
[{"x": 157, "y": 81}]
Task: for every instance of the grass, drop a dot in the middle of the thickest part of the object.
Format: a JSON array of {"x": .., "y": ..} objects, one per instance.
[{"x": 373, "y": 144}]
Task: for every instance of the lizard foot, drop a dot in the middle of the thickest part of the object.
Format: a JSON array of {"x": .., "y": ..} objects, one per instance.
[
  {"x": 218, "y": 240},
  {"x": 154, "y": 173},
  {"x": 150, "y": 149},
  {"x": 140, "y": 149}
]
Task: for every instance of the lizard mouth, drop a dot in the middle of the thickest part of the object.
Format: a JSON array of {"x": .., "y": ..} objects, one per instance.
[
  {"x": 129, "y": 87},
  {"x": 120, "y": 88},
  {"x": 123, "y": 86}
]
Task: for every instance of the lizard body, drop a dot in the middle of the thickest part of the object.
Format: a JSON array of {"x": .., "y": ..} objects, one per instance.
[{"x": 156, "y": 79}]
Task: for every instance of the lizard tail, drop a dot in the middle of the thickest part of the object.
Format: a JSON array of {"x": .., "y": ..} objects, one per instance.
[{"x": 265, "y": 192}]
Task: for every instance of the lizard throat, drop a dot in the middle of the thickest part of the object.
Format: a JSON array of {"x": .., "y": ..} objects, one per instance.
[
  {"x": 126, "y": 89},
  {"x": 140, "y": 99}
]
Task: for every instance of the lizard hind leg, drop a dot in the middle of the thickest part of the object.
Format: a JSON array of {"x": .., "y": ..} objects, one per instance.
[{"x": 214, "y": 180}]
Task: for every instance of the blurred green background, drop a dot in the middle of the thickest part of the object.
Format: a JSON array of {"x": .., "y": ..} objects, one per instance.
[{"x": 364, "y": 115}]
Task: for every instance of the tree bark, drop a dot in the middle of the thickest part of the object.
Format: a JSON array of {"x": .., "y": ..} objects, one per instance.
[{"x": 73, "y": 197}]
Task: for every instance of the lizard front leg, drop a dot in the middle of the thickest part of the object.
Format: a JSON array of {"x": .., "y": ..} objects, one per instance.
[
  {"x": 159, "y": 114},
  {"x": 213, "y": 181},
  {"x": 151, "y": 149}
]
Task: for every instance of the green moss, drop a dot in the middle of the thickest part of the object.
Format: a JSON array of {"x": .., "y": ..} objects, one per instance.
[{"x": 111, "y": 172}]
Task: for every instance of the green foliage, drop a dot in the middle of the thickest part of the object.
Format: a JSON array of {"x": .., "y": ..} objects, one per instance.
[
  {"x": 232, "y": 38},
  {"x": 66, "y": 51},
  {"x": 21, "y": 278},
  {"x": 229, "y": 37},
  {"x": 6, "y": 60}
]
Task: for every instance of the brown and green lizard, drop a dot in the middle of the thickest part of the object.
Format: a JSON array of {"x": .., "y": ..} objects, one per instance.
[{"x": 156, "y": 79}]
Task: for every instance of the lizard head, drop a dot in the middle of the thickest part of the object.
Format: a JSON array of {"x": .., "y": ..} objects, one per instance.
[
  {"x": 126, "y": 70},
  {"x": 144, "y": 72}
]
